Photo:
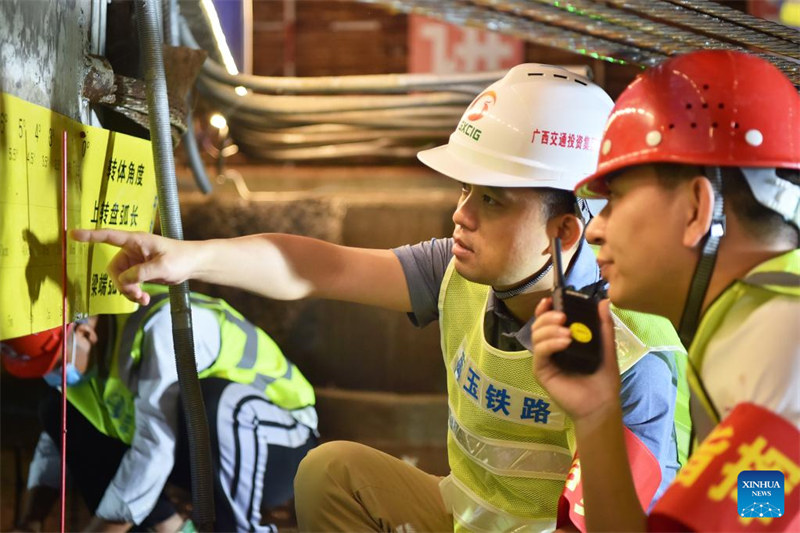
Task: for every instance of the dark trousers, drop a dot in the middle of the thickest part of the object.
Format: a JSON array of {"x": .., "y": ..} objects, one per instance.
[{"x": 93, "y": 458}]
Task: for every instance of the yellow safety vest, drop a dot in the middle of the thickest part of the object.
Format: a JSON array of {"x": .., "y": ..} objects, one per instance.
[
  {"x": 509, "y": 446},
  {"x": 777, "y": 276},
  {"x": 247, "y": 355}
]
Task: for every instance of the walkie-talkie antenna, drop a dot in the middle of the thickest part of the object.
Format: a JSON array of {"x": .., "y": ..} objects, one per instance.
[
  {"x": 582, "y": 356},
  {"x": 558, "y": 277}
]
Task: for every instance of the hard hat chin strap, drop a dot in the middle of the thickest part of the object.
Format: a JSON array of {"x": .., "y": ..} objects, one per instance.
[
  {"x": 705, "y": 266},
  {"x": 526, "y": 285},
  {"x": 583, "y": 212}
]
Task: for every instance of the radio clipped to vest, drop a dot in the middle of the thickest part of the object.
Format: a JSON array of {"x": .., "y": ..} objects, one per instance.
[{"x": 583, "y": 355}]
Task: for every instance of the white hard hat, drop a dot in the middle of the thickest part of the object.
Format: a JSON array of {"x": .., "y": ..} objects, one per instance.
[{"x": 539, "y": 126}]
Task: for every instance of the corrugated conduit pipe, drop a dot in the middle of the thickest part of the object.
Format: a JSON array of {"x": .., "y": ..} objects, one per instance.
[
  {"x": 147, "y": 12},
  {"x": 172, "y": 35}
]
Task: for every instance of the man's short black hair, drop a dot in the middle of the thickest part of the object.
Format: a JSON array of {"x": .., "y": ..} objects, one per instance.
[
  {"x": 758, "y": 221},
  {"x": 555, "y": 202}
]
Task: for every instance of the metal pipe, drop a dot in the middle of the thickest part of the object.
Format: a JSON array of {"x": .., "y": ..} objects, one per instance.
[
  {"x": 665, "y": 38},
  {"x": 169, "y": 212},
  {"x": 422, "y": 117},
  {"x": 579, "y": 21},
  {"x": 600, "y": 13},
  {"x": 189, "y": 138},
  {"x": 377, "y": 148},
  {"x": 458, "y": 13},
  {"x": 703, "y": 21},
  {"x": 265, "y": 104},
  {"x": 171, "y": 22},
  {"x": 743, "y": 19},
  {"x": 372, "y": 83},
  {"x": 316, "y": 138}
]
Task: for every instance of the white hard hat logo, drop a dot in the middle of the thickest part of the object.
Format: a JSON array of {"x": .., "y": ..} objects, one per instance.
[{"x": 481, "y": 105}]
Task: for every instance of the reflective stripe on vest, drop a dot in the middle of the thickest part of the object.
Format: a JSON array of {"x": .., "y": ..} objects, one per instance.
[
  {"x": 249, "y": 356},
  {"x": 473, "y": 514},
  {"x": 521, "y": 459}
]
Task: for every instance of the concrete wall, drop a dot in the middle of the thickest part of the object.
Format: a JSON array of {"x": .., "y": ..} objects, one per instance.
[{"x": 42, "y": 49}]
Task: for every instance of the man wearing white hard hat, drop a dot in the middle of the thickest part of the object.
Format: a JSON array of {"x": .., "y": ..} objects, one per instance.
[{"x": 518, "y": 151}]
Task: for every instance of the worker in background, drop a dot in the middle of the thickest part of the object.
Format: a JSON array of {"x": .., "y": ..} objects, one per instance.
[
  {"x": 125, "y": 422},
  {"x": 518, "y": 151},
  {"x": 700, "y": 165}
]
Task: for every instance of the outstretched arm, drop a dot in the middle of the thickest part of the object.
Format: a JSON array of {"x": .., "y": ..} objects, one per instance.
[
  {"x": 278, "y": 266},
  {"x": 592, "y": 401}
]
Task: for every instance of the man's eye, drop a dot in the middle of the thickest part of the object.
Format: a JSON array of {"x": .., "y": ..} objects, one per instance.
[
  {"x": 488, "y": 200},
  {"x": 465, "y": 187}
]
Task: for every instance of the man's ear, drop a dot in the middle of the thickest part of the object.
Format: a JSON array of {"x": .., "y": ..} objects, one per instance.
[
  {"x": 568, "y": 228},
  {"x": 700, "y": 210}
]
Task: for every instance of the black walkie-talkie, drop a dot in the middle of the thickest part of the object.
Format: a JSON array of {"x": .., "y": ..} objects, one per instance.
[{"x": 583, "y": 355}]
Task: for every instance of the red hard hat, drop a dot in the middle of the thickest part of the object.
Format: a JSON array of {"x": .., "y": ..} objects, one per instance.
[
  {"x": 707, "y": 108},
  {"x": 32, "y": 356}
]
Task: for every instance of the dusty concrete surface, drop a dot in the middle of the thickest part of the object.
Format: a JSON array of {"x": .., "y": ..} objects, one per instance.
[{"x": 42, "y": 49}]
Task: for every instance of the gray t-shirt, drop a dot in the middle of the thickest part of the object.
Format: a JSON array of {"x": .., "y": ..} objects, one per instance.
[{"x": 648, "y": 388}]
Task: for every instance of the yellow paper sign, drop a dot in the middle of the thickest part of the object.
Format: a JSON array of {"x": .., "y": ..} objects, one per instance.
[{"x": 110, "y": 184}]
